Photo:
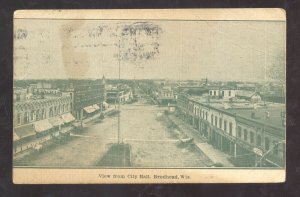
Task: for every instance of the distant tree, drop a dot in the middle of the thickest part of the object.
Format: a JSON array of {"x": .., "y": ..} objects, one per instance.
[{"x": 277, "y": 70}]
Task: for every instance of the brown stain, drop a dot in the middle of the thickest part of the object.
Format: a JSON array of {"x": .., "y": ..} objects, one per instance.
[{"x": 76, "y": 63}]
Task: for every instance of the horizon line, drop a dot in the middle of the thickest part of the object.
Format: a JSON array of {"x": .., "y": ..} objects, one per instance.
[{"x": 158, "y": 79}]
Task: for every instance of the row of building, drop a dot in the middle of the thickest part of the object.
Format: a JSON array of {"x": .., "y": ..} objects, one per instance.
[
  {"x": 37, "y": 121},
  {"x": 46, "y": 110},
  {"x": 167, "y": 91},
  {"x": 252, "y": 133}
]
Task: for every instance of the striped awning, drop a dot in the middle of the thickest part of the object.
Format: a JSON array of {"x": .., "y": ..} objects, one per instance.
[
  {"x": 42, "y": 125},
  {"x": 96, "y": 107},
  {"x": 56, "y": 121},
  {"x": 15, "y": 137},
  {"x": 68, "y": 117},
  {"x": 89, "y": 109},
  {"x": 23, "y": 131},
  {"x": 105, "y": 104}
]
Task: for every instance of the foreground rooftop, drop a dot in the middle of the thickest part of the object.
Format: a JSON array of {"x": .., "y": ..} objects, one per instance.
[{"x": 268, "y": 113}]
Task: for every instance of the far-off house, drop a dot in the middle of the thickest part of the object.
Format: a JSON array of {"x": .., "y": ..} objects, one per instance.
[{"x": 166, "y": 95}]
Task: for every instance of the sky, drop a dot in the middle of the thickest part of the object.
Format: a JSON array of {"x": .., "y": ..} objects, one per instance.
[{"x": 178, "y": 50}]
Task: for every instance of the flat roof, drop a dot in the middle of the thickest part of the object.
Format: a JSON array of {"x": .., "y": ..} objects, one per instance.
[
  {"x": 275, "y": 114},
  {"x": 245, "y": 109},
  {"x": 36, "y": 100}
]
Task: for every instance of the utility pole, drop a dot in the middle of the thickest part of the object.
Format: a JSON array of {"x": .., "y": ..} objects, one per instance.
[
  {"x": 119, "y": 97},
  {"x": 258, "y": 161},
  {"x": 265, "y": 55}
]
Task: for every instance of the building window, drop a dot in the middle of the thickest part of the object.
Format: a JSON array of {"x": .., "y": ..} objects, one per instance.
[
  {"x": 32, "y": 115},
  {"x": 245, "y": 134},
  {"x": 251, "y": 137},
  {"x": 37, "y": 115},
  {"x": 215, "y": 92},
  {"x": 225, "y": 125},
  {"x": 19, "y": 118},
  {"x": 229, "y": 92},
  {"x": 26, "y": 117},
  {"x": 51, "y": 112},
  {"x": 206, "y": 115},
  {"x": 230, "y": 128},
  {"x": 267, "y": 144},
  {"x": 220, "y": 123},
  {"x": 258, "y": 140},
  {"x": 43, "y": 113},
  {"x": 212, "y": 119},
  {"x": 239, "y": 132},
  {"x": 216, "y": 121}
]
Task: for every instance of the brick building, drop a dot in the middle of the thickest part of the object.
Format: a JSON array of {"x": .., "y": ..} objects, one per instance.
[
  {"x": 87, "y": 97},
  {"x": 251, "y": 136},
  {"x": 37, "y": 120}
]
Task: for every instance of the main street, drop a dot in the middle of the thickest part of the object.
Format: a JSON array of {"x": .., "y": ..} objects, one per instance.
[{"x": 153, "y": 142}]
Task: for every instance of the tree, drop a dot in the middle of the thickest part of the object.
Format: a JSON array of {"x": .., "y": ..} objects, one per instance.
[{"x": 277, "y": 71}]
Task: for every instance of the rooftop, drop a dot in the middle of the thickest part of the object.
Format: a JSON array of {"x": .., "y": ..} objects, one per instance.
[
  {"x": 166, "y": 88},
  {"x": 275, "y": 112},
  {"x": 38, "y": 100},
  {"x": 220, "y": 87},
  {"x": 245, "y": 109}
]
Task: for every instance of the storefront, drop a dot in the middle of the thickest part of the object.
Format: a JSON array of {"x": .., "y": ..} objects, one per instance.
[
  {"x": 44, "y": 130},
  {"x": 222, "y": 141},
  {"x": 24, "y": 137},
  {"x": 68, "y": 119},
  {"x": 203, "y": 128},
  {"x": 89, "y": 111},
  {"x": 105, "y": 105},
  {"x": 245, "y": 156},
  {"x": 96, "y": 107},
  {"x": 57, "y": 123}
]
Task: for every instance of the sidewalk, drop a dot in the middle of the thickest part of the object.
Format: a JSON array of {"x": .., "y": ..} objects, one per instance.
[
  {"x": 45, "y": 142},
  {"x": 213, "y": 154}
]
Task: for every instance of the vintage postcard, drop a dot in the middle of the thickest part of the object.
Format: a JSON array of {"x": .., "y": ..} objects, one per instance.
[{"x": 149, "y": 96}]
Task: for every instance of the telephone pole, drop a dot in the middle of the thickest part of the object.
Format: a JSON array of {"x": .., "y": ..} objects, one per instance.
[{"x": 119, "y": 97}]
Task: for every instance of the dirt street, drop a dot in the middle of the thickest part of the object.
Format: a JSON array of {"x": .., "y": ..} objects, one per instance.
[{"x": 153, "y": 143}]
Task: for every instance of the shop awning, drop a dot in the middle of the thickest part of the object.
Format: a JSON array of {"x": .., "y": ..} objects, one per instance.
[
  {"x": 56, "y": 121},
  {"x": 105, "y": 105},
  {"x": 89, "y": 109},
  {"x": 96, "y": 107},
  {"x": 23, "y": 131},
  {"x": 68, "y": 117},
  {"x": 42, "y": 125},
  {"x": 15, "y": 137}
]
